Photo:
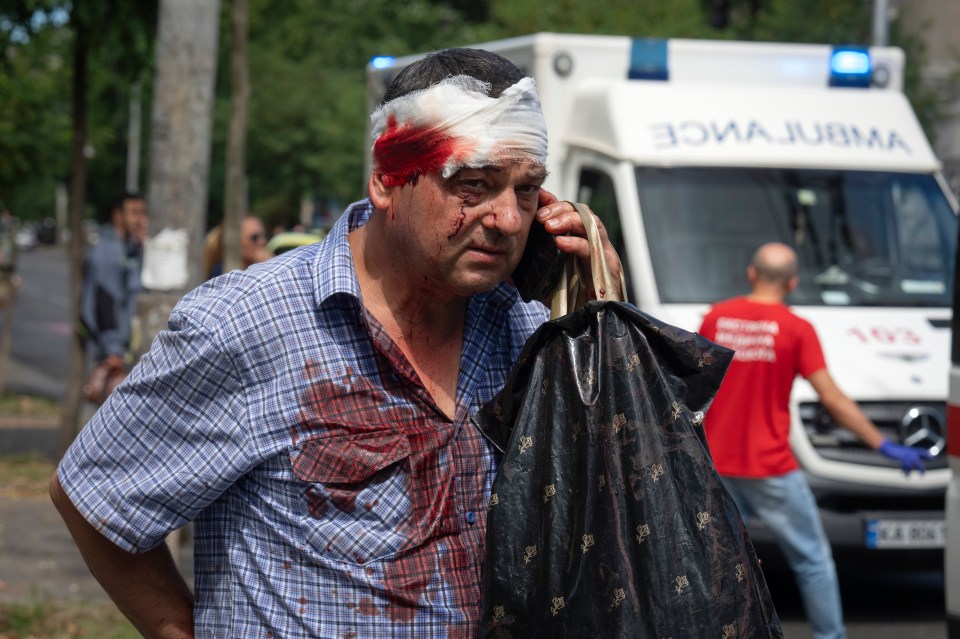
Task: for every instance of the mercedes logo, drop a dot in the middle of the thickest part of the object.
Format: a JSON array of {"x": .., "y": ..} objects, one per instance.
[{"x": 924, "y": 427}]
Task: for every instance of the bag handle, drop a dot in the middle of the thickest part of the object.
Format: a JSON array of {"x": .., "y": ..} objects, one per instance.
[{"x": 571, "y": 291}]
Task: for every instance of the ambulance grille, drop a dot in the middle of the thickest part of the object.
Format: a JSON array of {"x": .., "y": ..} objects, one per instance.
[{"x": 920, "y": 423}]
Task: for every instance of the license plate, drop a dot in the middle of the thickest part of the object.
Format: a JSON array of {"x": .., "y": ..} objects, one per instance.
[{"x": 906, "y": 533}]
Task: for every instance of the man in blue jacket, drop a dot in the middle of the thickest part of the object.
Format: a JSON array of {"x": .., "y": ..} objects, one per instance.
[{"x": 108, "y": 299}]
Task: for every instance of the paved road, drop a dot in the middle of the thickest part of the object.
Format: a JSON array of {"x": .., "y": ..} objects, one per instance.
[
  {"x": 880, "y": 602},
  {"x": 38, "y": 559},
  {"x": 40, "y": 339}
]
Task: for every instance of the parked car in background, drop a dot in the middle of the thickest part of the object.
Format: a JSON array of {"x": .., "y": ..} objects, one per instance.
[
  {"x": 283, "y": 242},
  {"x": 47, "y": 231},
  {"x": 25, "y": 237}
]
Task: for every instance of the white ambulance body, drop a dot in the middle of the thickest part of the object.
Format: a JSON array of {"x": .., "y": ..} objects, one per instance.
[
  {"x": 696, "y": 152},
  {"x": 952, "y": 558}
]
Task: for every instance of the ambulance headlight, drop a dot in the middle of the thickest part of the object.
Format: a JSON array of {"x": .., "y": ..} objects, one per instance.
[{"x": 850, "y": 67}]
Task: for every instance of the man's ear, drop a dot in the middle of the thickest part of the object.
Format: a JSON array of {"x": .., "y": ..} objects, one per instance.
[
  {"x": 380, "y": 194},
  {"x": 792, "y": 284}
]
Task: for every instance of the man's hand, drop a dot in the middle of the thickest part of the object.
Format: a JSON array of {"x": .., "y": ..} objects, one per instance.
[
  {"x": 114, "y": 363},
  {"x": 562, "y": 219},
  {"x": 910, "y": 458}
]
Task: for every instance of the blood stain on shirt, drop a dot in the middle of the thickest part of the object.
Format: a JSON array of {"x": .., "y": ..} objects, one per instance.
[
  {"x": 317, "y": 503},
  {"x": 396, "y": 438},
  {"x": 367, "y": 607},
  {"x": 345, "y": 499}
]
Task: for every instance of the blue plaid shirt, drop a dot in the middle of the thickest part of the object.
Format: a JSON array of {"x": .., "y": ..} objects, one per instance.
[{"x": 332, "y": 497}]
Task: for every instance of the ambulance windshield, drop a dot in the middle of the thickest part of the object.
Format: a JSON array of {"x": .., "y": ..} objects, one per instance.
[{"x": 863, "y": 238}]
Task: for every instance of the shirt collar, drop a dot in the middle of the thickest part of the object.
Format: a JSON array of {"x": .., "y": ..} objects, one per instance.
[{"x": 334, "y": 270}]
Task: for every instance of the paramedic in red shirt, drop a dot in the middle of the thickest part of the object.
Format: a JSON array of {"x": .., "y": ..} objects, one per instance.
[{"x": 748, "y": 425}]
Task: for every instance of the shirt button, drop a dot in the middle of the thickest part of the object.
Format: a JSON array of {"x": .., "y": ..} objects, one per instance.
[{"x": 471, "y": 518}]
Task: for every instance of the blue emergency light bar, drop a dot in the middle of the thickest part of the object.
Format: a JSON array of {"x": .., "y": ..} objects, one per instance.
[
  {"x": 850, "y": 67},
  {"x": 648, "y": 59},
  {"x": 382, "y": 61}
]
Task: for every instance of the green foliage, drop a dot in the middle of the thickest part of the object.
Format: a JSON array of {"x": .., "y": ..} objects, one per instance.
[
  {"x": 650, "y": 18},
  {"x": 121, "y": 55},
  {"x": 815, "y": 21},
  {"x": 36, "y": 78},
  {"x": 308, "y": 110},
  {"x": 59, "y": 620},
  {"x": 34, "y": 113}
]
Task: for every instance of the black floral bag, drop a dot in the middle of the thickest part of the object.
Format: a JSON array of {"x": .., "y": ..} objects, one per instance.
[{"x": 607, "y": 518}]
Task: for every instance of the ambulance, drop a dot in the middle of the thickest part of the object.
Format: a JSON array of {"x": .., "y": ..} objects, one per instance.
[
  {"x": 694, "y": 153},
  {"x": 952, "y": 557}
]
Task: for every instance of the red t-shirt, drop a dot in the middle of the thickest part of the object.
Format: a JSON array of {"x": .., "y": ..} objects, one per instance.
[{"x": 748, "y": 423}]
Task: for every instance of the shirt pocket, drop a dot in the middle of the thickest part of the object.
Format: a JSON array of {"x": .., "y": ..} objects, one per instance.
[{"x": 354, "y": 495}]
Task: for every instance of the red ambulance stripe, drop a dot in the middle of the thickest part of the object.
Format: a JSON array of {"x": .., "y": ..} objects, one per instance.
[{"x": 953, "y": 430}]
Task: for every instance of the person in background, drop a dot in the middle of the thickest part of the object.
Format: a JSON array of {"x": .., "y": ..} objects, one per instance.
[
  {"x": 108, "y": 297},
  {"x": 253, "y": 242},
  {"x": 312, "y": 414},
  {"x": 748, "y": 425}
]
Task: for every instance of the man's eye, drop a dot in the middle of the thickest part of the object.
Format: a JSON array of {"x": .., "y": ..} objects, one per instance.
[
  {"x": 473, "y": 185},
  {"x": 529, "y": 189}
]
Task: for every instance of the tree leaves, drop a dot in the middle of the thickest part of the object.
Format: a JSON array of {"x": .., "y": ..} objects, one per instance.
[{"x": 308, "y": 110}]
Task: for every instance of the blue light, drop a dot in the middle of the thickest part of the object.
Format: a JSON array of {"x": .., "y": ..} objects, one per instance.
[
  {"x": 382, "y": 61},
  {"x": 848, "y": 61},
  {"x": 648, "y": 59},
  {"x": 850, "y": 67}
]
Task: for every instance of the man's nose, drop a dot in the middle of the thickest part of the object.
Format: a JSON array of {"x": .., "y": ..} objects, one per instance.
[{"x": 504, "y": 215}]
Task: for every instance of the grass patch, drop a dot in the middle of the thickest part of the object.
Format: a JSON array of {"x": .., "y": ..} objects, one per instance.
[
  {"x": 28, "y": 406},
  {"x": 25, "y": 476},
  {"x": 53, "y": 620}
]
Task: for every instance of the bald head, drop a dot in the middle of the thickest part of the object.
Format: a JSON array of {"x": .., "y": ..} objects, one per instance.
[{"x": 774, "y": 267}]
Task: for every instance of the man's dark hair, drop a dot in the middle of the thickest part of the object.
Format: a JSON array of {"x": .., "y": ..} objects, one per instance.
[
  {"x": 487, "y": 66},
  {"x": 122, "y": 197},
  {"x": 116, "y": 204}
]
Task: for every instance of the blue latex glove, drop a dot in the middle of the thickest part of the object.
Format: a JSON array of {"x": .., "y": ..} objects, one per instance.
[{"x": 910, "y": 458}]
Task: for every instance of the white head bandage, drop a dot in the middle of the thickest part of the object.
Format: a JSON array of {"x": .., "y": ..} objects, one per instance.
[{"x": 455, "y": 124}]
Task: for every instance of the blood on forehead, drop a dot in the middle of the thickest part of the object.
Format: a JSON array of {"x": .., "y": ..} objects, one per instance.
[{"x": 403, "y": 153}]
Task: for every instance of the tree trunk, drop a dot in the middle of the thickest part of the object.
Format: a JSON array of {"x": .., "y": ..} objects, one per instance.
[
  {"x": 133, "y": 140},
  {"x": 182, "y": 118},
  {"x": 70, "y": 410},
  {"x": 187, "y": 33},
  {"x": 235, "y": 200}
]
